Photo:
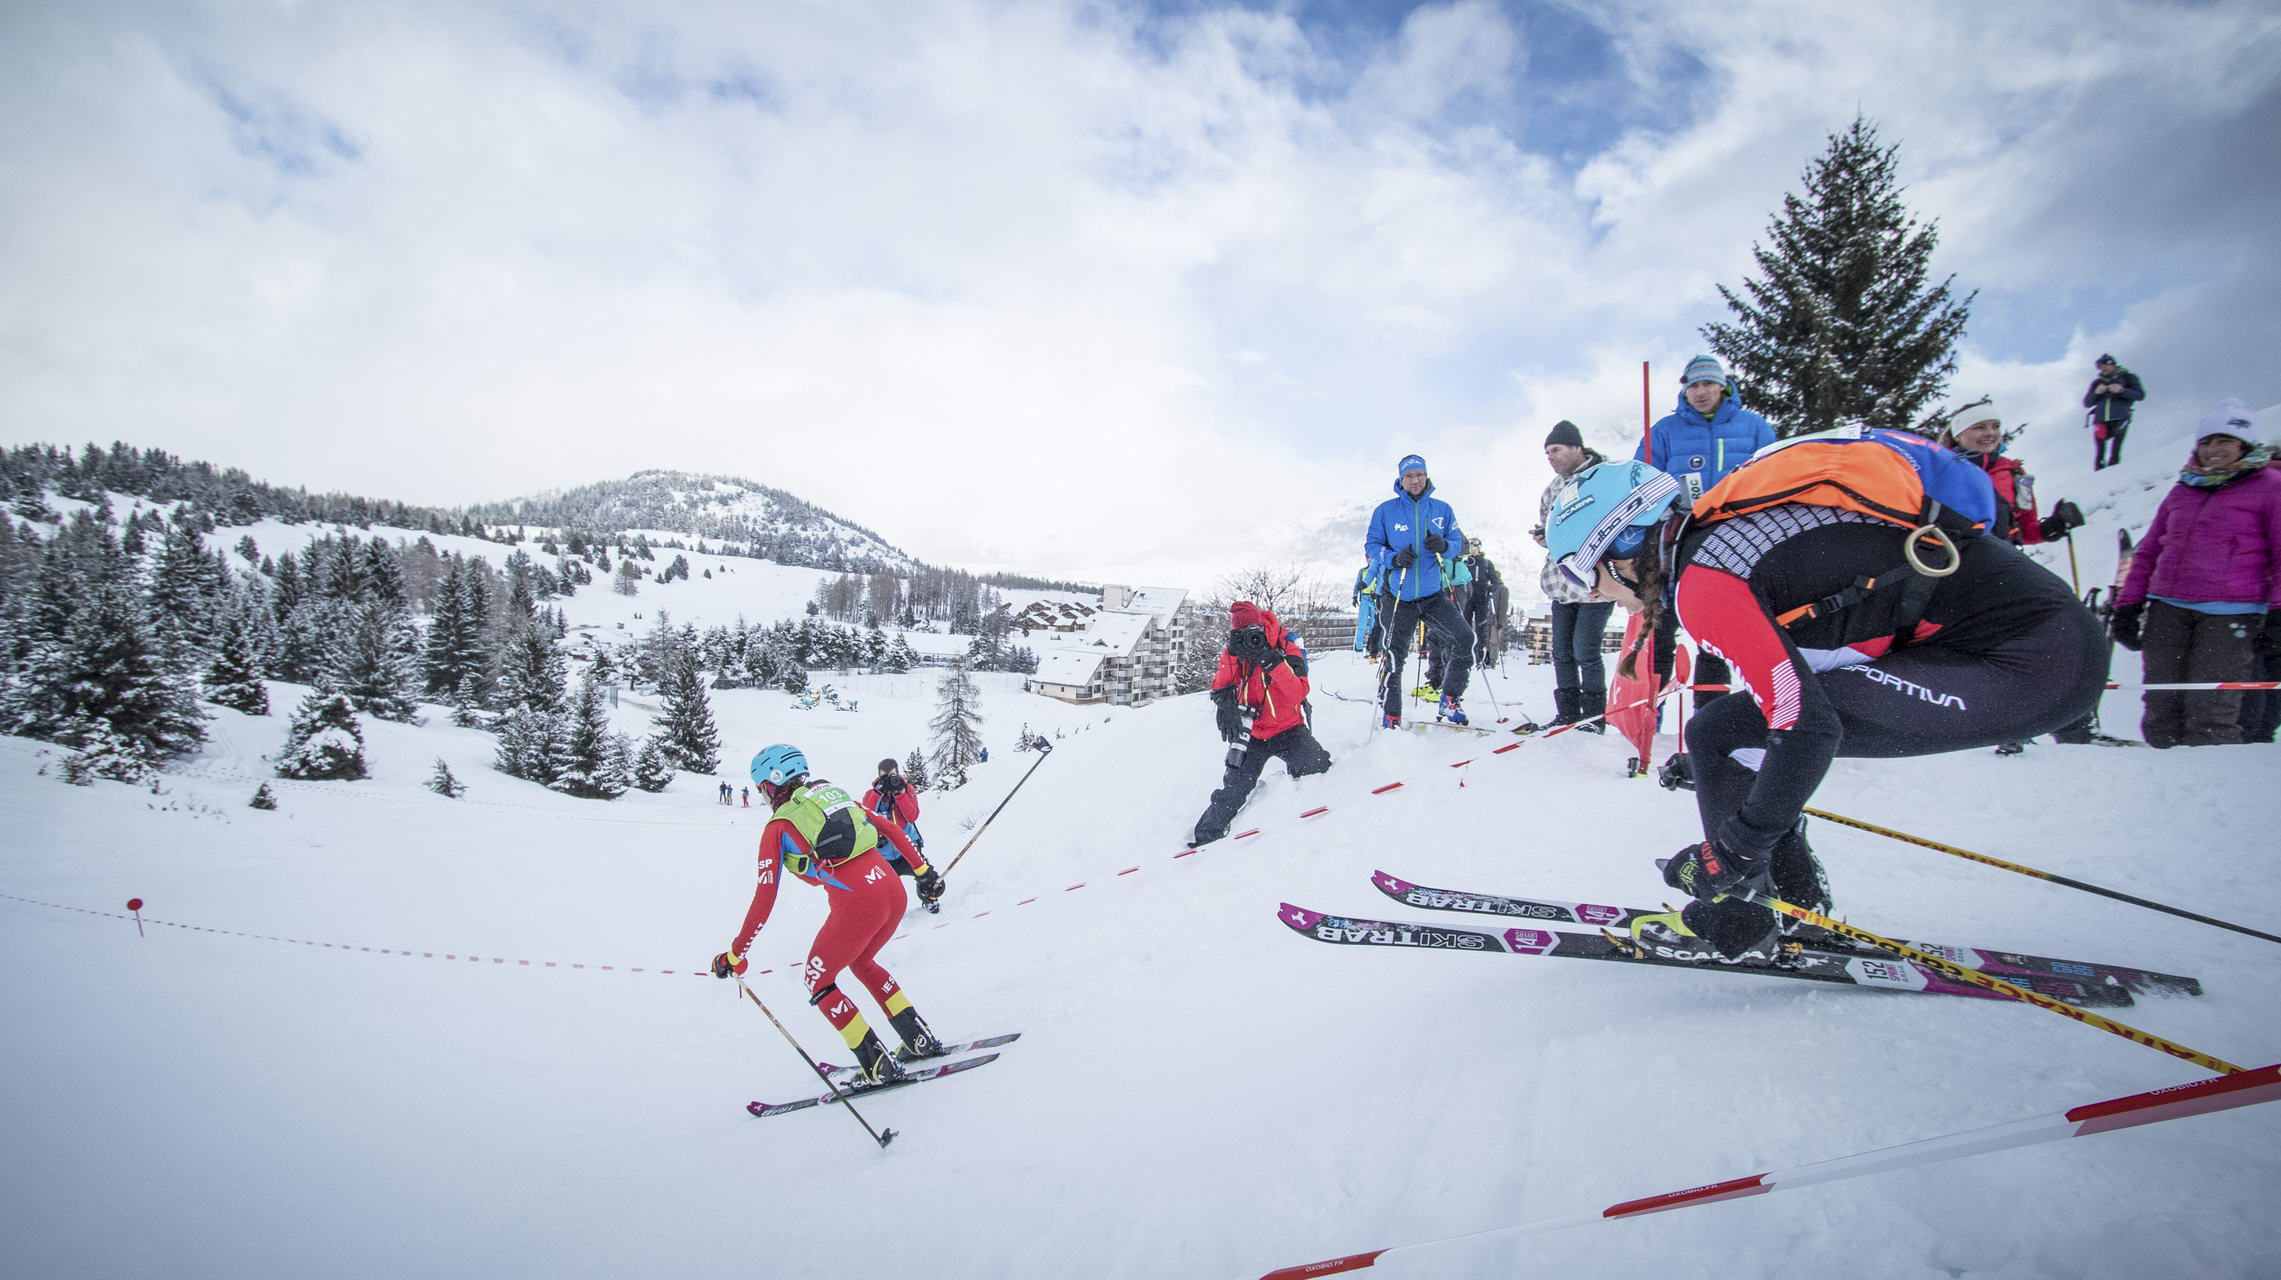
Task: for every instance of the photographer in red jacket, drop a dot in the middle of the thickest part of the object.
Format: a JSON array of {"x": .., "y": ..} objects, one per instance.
[{"x": 1259, "y": 696}]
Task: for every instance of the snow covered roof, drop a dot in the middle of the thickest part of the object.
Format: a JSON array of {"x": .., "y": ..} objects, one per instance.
[
  {"x": 1164, "y": 600},
  {"x": 1075, "y": 667}
]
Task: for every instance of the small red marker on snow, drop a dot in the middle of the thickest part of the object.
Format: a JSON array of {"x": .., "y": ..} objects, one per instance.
[{"x": 136, "y": 905}]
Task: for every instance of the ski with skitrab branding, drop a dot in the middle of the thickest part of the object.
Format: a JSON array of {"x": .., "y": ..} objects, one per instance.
[
  {"x": 914, "y": 1075},
  {"x": 2003, "y": 964},
  {"x": 1812, "y": 964},
  {"x": 838, "y": 1071}
]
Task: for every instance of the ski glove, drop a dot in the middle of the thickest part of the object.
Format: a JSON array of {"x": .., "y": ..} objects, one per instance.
[
  {"x": 1677, "y": 773},
  {"x": 728, "y": 962},
  {"x": 1436, "y": 543},
  {"x": 930, "y": 886},
  {"x": 2065, "y": 516},
  {"x": 1406, "y": 557},
  {"x": 1230, "y": 719},
  {"x": 2125, "y": 624},
  {"x": 1708, "y": 871}
]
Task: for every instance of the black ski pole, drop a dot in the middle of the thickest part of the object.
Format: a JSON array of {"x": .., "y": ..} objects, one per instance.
[
  {"x": 882, "y": 1138},
  {"x": 1043, "y": 751}
]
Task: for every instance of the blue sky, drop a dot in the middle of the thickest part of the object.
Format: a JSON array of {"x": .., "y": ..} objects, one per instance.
[{"x": 1096, "y": 289}]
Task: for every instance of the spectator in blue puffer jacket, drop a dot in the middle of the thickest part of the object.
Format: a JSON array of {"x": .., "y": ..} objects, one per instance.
[
  {"x": 1708, "y": 435},
  {"x": 1409, "y": 545}
]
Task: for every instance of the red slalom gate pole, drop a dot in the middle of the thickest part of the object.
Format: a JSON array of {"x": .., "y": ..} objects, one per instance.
[
  {"x": 136, "y": 905},
  {"x": 2220, "y": 1093},
  {"x": 2219, "y": 685}
]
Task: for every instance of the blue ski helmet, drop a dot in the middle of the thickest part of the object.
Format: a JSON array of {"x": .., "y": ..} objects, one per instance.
[
  {"x": 778, "y": 764},
  {"x": 1605, "y": 510}
]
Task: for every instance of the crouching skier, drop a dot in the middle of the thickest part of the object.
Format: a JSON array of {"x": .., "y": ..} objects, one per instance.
[
  {"x": 1263, "y": 672},
  {"x": 1845, "y": 579},
  {"x": 820, "y": 834}
]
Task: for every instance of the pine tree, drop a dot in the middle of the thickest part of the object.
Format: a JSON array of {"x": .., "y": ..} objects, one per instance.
[
  {"x": 588, "y": 761},
  {"x": 651, "y": 772},
  {"x": 685, "y": 723},
  {"x": 531, "y": 671},
  {"x": 1842, "y": 328},
  {"x": 263, "y": 798},
  {"x": 915, "y": 770},
  {"x": 454, "y": 647},
  {"x": 957, "y": 727},
  {"x": 93, "y": 664},
  {"x": 233, "y": 678},
  {"x": 528, "y": 738},
  {"x": 323, "y": 740},
  {"x": 375, "y": 660},
  {"x": 444, "y": 783}
]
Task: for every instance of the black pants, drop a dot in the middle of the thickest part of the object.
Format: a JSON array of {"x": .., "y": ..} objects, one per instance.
[
  {"x": 1450, "y": 636},
  {"x": 2261, "y": 712},
  {"x": 1301, "y": 755},
  {"x": 2183, "y": 646},
  {"x": 2108, "y": 450},
  {"x": 1916, "y": 701}
]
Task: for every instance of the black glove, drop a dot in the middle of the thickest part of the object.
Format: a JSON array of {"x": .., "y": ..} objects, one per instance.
[
  {"x": 1406, "y": 557},
  {"x": 930, "y": 886},
  {"x": 1231, "y": 721},
  {"x": 2065, "y": 517},
  {"x": 2269, "y": 643},
  {"x": 1677, "y": 773},
  {"x": 1436, "y": 543},
  {"x": 1707, "y": 871},
  {"x": 2124, "y": 625}
]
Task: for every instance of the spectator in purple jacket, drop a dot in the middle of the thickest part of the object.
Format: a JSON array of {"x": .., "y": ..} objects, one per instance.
[{"x": 2203, "y": 599}]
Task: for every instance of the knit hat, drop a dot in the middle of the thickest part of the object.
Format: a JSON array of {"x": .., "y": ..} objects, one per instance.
[
  {"x": 2104, "y": 358},
  {"x": 1409, "y": 464},
  {"x": 2230, "y": 418},
  {"x": 1565, "y": 432},
  {"x": 1243, "y": 613},
  {"x": 1703, "y": 368}
]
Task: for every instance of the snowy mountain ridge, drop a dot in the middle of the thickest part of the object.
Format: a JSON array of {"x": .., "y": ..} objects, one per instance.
[{"x": 774, "y": 524}]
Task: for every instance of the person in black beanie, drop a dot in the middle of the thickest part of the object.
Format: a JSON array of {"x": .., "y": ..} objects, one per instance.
[{"x": 1579, "y": 618}]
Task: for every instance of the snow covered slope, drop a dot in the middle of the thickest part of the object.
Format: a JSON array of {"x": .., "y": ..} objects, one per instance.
[{"x": 1199, "y": 1092}]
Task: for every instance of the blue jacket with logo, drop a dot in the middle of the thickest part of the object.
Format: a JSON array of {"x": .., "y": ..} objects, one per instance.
[
  {"x": 1403, "y": 521},
  {"x": 1701, "y": 451}
]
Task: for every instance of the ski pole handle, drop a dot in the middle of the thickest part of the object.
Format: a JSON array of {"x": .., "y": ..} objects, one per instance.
[{"x": 1952, "y": 970}]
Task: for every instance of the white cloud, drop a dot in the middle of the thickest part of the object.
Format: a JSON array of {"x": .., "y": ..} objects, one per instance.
[{"x": 1078, "y": 288}]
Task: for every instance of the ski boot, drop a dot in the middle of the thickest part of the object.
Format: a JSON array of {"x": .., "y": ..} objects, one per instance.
[
  {"x": 1427, "y": 692},
  {"x": 1800, "y": 881},
  {"x": 1565, "y": 705},
  {"x": 2010, "y": 748},
  {"x": 1390, "y": 721},
  {"x": 1450, "y": 711},
  {"x": 918, "y": 1041},
  {"x": 1666, "y": 935},
  {"x": 875, "y": 1067}
]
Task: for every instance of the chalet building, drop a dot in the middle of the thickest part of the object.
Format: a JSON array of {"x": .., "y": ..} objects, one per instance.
[{"x": 1122, "y": 651}]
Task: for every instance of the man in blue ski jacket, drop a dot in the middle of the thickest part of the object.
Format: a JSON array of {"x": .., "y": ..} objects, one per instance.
[
  {"x": 1408, "y": 545},
  {"x": 1708, "y": 435}
]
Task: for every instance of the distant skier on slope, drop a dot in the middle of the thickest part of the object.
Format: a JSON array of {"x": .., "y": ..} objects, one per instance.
[
  {"x": 1263, "y": 671},
  {"x": 1998, "y": 650},
  {"x": 1408, "y": 535},
  {"x": 891, "y": 798},
  {"x": 819, "y": 833}
]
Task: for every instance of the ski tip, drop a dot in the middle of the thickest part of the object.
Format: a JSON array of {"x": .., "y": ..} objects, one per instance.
[
  {"x": 1393, "y": 884},
  {"x": 1300, "y": 918}
]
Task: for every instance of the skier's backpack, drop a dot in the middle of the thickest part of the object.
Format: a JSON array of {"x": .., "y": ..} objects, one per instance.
[
  {"x": 1456, "y": 573},
  {"x": 1894, "y": 476}
]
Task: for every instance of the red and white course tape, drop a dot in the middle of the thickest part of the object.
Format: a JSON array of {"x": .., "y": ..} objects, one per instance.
[{"x": 2222, "y": 1093}]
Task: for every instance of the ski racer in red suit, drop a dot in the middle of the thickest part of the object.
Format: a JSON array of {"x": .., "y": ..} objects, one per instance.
[
  {"x": 1263, "y": 672},
  {"x": 820, "y": 834},
  {"x": 1842, "y": 649}
]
